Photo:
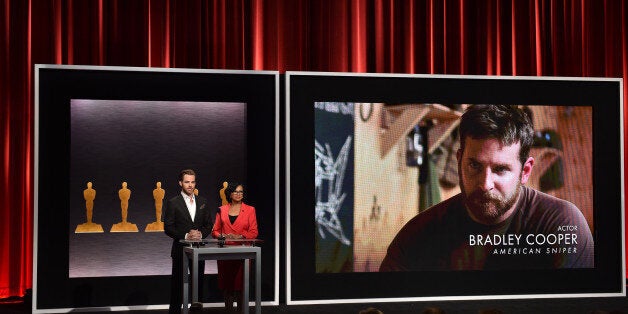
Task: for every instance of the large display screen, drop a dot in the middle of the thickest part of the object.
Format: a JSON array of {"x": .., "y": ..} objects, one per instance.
[
  {"x": 379, "y": 166},
  {"x": 388, "y": 195},
  {"x": 137, "y": 147},
  {"x": 110, "y": 143}
]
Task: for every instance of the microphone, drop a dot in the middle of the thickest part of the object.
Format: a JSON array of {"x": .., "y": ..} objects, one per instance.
[{"x": 221, "y": 237}]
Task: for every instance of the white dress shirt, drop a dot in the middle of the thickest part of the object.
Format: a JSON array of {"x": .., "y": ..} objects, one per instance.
[{"x": 191, "y": 205}]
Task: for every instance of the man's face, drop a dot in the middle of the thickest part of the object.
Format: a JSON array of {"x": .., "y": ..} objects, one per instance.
[
  {"x": 491, "y": 176},
  {"x": 187, "y": 184}
]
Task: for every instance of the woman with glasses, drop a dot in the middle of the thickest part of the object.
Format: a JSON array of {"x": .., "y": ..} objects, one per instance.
[{"x": 235, "y": 220}]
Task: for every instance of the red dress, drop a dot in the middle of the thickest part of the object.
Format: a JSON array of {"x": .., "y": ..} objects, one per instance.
[{"x": 230, "y": 272}]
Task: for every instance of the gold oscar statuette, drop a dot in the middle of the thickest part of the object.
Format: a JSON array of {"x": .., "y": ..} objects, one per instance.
[
  {"x": 124, "y": 226},
  {"x": 89, "y": 227},
  {"x": 158, "y": 195},
  {"x": 223, "y": 197}
]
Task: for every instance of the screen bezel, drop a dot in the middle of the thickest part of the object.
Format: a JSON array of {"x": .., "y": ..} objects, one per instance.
[
  {"x": 603, "y": 94},
  {"x": 55, "y": 86}
]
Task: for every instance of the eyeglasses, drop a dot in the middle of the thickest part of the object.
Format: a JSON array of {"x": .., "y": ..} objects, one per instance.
[{"x": 238, "y": 192}]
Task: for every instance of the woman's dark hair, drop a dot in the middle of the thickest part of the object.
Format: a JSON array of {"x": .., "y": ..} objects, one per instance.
[
  {"x": 232, "y": 186},
  {"x": 506, "y": 123}
]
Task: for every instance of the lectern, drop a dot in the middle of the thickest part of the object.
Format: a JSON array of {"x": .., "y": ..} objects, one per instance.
[{"x": 244, "y": 249}]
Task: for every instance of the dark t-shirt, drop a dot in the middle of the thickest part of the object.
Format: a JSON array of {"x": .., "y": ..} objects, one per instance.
[{"x": 544, "y": 232}]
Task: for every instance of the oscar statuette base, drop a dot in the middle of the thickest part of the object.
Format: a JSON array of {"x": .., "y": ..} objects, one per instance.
[
  {"x": 124, "y": 227},
  {"x": 89, "y": 227},
  {"x": 156, "y": 226}
]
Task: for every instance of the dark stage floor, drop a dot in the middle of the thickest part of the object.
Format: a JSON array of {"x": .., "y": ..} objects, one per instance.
[{"x": 553, "y": 306}]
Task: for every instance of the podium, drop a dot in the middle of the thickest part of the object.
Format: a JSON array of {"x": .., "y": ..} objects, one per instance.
[{"x": 212, "y": 249}]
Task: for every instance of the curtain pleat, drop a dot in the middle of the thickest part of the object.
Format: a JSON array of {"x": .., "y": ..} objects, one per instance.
[{"x": 474, "y": 37}]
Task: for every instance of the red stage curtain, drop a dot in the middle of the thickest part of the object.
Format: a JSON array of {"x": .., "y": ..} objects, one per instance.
[{"x": 475, "y": 37}]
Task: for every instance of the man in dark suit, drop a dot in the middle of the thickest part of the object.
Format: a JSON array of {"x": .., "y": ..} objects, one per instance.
[{"x": 188, "y": 217}]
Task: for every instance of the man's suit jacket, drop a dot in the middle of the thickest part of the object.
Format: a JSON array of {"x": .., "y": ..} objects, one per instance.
[{"x": 178, "y": 222}]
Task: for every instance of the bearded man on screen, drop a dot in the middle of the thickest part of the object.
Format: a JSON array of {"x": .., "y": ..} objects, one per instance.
[{"x": 496, "y": 222}]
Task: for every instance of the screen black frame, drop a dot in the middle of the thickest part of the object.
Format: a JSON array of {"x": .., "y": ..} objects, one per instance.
[
  {"x": 604, "y": 95},
  {"x": 56, "y": 86}
]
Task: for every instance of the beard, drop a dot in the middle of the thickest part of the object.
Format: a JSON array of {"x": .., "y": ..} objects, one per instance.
[
  {"x": 486, "y": 206},
  {"x": 489, "y": 207}
]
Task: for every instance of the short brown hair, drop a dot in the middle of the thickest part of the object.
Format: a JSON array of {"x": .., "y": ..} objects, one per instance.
[
  {"x": 505, "y": 123},
  {"x": 188, "y": 172},
  {"x": 371, "y": 310}
]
